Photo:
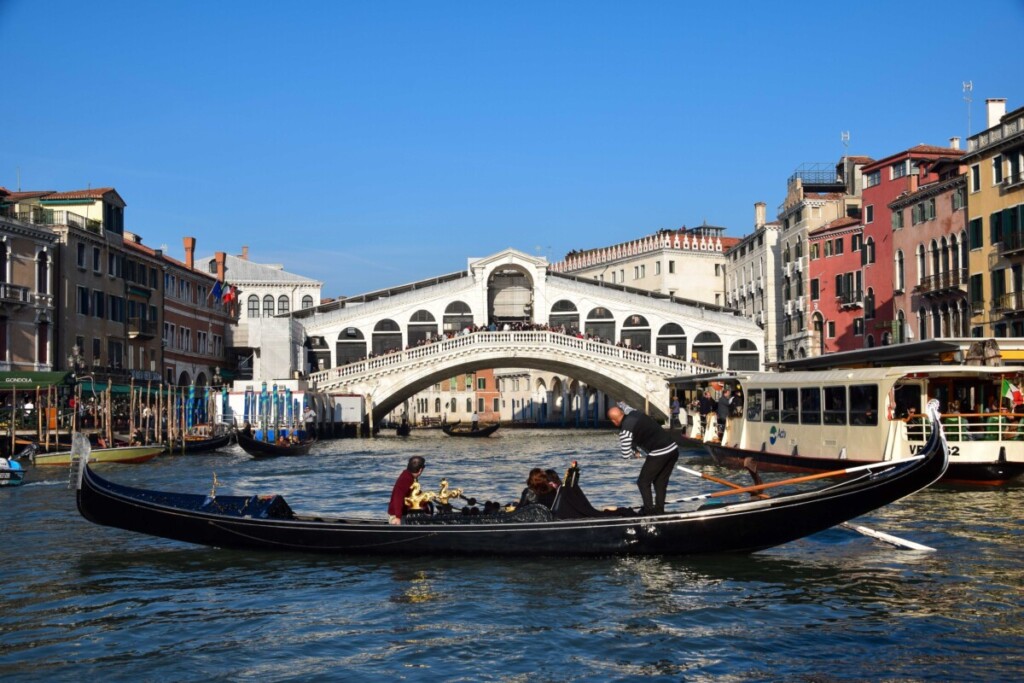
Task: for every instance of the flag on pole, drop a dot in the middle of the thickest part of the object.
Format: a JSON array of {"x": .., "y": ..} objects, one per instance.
[
  {"x": 1012, "y": 392},
  {"x": 216, "y": 291},
  {"x": 230, "y": 293}
]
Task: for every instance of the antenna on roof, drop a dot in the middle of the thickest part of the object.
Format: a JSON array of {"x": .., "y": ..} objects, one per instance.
[{"x": 968, "y": 89}]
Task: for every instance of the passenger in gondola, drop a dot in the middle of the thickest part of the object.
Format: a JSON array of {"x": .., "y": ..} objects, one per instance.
[
  {"x": 247, "y": 429},
  {"x": 538, "y": 490},
  {"x": 281, "y": 440},
  {"x": 402, "y": 488}
]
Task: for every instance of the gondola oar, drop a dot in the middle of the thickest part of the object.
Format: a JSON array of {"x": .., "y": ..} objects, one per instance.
[
  {"x": 797, "y": 480},
  {"x": 878, "y": 535}
]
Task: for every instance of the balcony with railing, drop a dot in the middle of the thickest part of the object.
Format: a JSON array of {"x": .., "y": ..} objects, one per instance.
[
  {"x": 13, "y": 294},
  {"x": 38, "y": 215},
  {"x": 1011, "y": 244},
  {"x": 852, "y": 299},
  {"x": 141, "y": 329},
  {"x": 944, "y": 283},
  {"x": 1011, "y": 303}
]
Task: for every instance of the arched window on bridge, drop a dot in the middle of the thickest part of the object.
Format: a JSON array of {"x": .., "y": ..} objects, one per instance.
[
  {"x": 318, "y": 354},
  {"x": 253, "y": 306},
  {"x": 268, "y": 306},
  {"x": 636, "y": 332},
  {"x": 387, "y": 337},
  {"x": 422, "y": 327},
  {"x": 350, "y": 347},
  {"x": 601, "y": 324},
  {"x": 672, "y": 341},
  {"x": 510, "y": 296},
  {"x": 743, "y": 355},
  {"x": 707, "y": 349},
  {"x": 564, "y": 314},
  {"x": 457, "y": 317}
]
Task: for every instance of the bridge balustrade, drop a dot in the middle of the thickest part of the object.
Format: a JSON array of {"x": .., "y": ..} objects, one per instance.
[{"x": 508, "y": 340}]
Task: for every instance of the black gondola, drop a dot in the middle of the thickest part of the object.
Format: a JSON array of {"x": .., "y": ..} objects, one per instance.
[
  {"x": 199, "y": 445},
  {"x": 266, "y": 449},
  {"x": 572, "y": 527},
  {"x": 459, "y": 429}
]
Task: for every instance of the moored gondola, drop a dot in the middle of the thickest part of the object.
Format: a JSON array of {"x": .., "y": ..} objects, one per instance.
[
  {"x": 266, "y": 449},
  {"x": 571, "y": 527},
  {"x": 192, "y": 444}
]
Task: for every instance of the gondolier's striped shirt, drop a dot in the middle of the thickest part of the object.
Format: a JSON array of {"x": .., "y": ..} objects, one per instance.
[{"x": 640, "y": 432}]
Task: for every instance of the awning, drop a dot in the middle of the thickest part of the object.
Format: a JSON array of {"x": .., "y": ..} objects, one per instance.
[{"x": 31, "y": 380}]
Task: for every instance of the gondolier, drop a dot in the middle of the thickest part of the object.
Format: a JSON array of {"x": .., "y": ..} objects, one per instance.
[{"x": 638, "y": 433}]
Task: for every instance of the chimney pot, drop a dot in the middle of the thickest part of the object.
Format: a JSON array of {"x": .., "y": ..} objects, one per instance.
[
  {"x": 954, "y": 143},
  {"x": 245, "y": 253},
  {"x": 759, "y": 214},
  {"x": 190, "y": 252},
  {"x": 996, "y": 109}
]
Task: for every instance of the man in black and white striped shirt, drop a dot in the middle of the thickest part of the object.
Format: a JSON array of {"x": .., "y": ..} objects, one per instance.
[{"x": 639, "y": 435}]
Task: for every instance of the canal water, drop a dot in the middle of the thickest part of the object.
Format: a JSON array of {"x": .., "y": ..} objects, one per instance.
[{"x": 81, "y": 601}]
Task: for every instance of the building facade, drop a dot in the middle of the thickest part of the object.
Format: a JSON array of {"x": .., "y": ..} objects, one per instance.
[
  {"x": 995, "y": 223},
  {"x": 750, "y": 280},
  {"x": 930, "y": 255},
  {"x": 836, "y": 290},
  {"x": 885, "y": 181},
  {"x": 27, "y": 303},
  {"x": 816, "y": 195},
  {"x": 688, "y": 263}
]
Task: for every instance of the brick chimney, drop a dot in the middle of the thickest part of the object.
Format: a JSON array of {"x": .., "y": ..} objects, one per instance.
[
  {"x": 219, "y": 258},
  {"x": 996, "y": 109},
  {"x": 190, "y": 252},
  {"x": 245, "y": 254}
]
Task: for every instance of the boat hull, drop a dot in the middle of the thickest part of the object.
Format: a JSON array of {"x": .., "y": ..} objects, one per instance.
[
  {"x": 740, "y": 526},
  {"x": 127, "y": 454},
  {"x": 200, "y": 445},
  {"x": 266, "y": 449},
  {"x": 11, "y": 476},
  {"x": 997, "y": 472},
  {"x": 479, "y": 433}
]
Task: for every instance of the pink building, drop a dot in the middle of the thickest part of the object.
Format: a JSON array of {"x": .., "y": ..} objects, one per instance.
[
  {"x": 930, "y": 254},
  {"x": 836, "y": 288},
  {"x": 885, "y": 181}
]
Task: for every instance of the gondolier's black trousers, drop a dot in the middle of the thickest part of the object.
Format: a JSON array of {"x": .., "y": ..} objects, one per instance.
[{"x": 655, "y": 474}]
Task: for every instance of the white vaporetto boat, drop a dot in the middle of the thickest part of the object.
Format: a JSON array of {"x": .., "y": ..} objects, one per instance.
[{"x": 812, "y": 420}]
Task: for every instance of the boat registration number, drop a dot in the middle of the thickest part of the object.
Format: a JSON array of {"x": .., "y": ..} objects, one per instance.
[{"x": 917, "y": 450}]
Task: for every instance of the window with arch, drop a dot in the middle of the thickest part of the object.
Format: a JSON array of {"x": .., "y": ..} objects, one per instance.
[
  {"x": 253, "y": 306},
  {"x": 307, "y": 302},
  {"x": 899, "y": 274},
  {"x": 43, "y": 273},
  {"x": 4, "y": 262},
  {"x": 283, "y": 304},
  {"x": 921, "y": 263},
  {"x": 268, "y": 306}
]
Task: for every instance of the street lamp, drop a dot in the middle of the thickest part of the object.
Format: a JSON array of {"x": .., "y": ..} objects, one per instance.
[{"x": 75, "y": 359}]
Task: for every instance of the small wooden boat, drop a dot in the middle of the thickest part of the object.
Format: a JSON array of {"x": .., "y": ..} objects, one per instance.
[
  {"x": 268, "y": 449},
  {"x": 199, "y": 444},
  {"x": 403, "y": 429},
  {"x": 571, "y": 527},
  {"x": 459, "y": 429},
  {"x": 124, "y": 454}
]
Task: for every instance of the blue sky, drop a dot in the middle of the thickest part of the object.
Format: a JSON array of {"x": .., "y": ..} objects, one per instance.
[{"x": 372, "y": 144}]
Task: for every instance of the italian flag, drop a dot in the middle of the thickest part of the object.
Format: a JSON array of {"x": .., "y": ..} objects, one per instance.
[{"x": 1013, "y": 393}]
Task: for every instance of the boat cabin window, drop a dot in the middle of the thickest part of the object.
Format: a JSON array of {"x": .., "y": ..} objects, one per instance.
[
  {"x": 771, "y": 405},
  {"x": 907, "y": 396},
  {"x": 835, "y": 406},
  {"x": 810, "y": 406},
  {"x": 790, "y": 406},
  {"x": 864, "y": 404},
  {"x": 754, "y": 405}
]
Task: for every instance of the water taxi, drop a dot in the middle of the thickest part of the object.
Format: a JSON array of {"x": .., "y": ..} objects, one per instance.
[{"x": 816, "y": 420}]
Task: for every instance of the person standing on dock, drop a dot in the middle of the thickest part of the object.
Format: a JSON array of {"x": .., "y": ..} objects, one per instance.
[{"x": 639, "y": 434}]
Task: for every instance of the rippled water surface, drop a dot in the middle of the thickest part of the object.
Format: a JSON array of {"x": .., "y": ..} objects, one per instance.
[{"x": 83, "y": 601}]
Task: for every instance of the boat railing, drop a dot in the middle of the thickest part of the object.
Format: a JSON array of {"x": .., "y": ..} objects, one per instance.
[{"x": 969, "y": 427}]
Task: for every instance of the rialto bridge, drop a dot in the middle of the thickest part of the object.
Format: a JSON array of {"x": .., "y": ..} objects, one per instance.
[{"x": 507, "y": 311}]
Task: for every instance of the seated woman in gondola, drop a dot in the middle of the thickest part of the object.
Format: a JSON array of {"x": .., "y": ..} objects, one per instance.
[{"x": 538, "y": 489}]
